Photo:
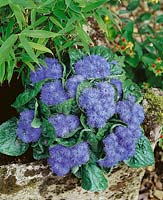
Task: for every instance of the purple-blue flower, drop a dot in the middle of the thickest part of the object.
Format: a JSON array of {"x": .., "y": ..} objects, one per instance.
[
  {"x": 72, "y": 84},
  {"x": 98, "y": 103},
  {"x": 62, "y": 158},
  {"x": 64, "y": 124},
  {"x": 24, "y": 130},
  {"x": 120, "y": 145},
  {"x": 130, "y": 112},
  {"x": 53, "y": 93},
  {"x": 93, "y": 66},
  {"x": 53, "y": 70}
]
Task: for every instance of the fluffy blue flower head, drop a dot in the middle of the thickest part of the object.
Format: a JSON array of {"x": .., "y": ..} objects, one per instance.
[
  {"x": 52, "y": 71},
  {"x": 130, "y": 112},
  {"x": 72, "y": 84},
  {"x": 93, "y": 66},
  {"x": 119, "y": 145},
  {"x": 53, "y": 93},
  {"x": 62, "y": 158},
  {"x": 64, "y": 124},
  {"x": 24, "y": 130},
  {"x": 98, "y": 103}
]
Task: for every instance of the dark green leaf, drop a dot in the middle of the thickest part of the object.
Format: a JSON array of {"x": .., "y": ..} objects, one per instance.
[
  {"x": 129, "y": 27},
  {"x": 102, "y": 51},
  {"x": 159, "y": 19},
  {"x": 9, "y": 143},
  {"x": 66, "y": 107},
  {"x": 29, "y": 94},
  {"x": 143, "y": 17},
  {"x": 131, "y": 88},
  {"x": 133, "y": 4},
  {"x": 93, "y": 178},
  {"x": 144, "y": 155}
]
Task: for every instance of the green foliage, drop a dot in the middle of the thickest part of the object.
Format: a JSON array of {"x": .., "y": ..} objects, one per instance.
[
  {"x": 32, "y": 28},
  {"x": 141, "y": 41},
  {"x": 93, "y": 178},
  {"x": 144, "y": 154},
  {"x": 9, "y": 143},
  {"x": 28, "y": 95}
]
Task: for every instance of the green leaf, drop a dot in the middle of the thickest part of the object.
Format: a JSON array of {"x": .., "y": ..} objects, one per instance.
[
  {"x": 6, "y": 46},
  {"x": 147, "y": 60},
  {"x": 75, "y": 55},
  {"x": 144, "y": 155},
  {"x": 39, "y": 33},
  {"x": 44, "y": 110},
  {"x": 129, "y": 27},
  {"x": 9, "y": 143},
  {"x": 2, "y": 71},
  {"x": 102, "y": 51},
  {"x": 10, "y": 68},
  {"x": 66, "y": 107},
  {"x": 143, "y": 17},
  {"x": 132, "y": 61},
  {"x": 18, "y": 14},
  {"x": 28, "y": 95},
  {"x": 84, "y": 37},
  {"x": 40, "y": 47},
  {"x": 131, "y": 88},
  {"x": 159, "y": 19},
  {"x": 36, "y": 123},
  {"x": 28, "y": 48},
  {"x": 133, "y": 4},
  {"x": 94, "y": 5},
  {"x": 93, "y": 178},
  {"x": 3, "y": 3},
  {"x": 138, "y": 49}
]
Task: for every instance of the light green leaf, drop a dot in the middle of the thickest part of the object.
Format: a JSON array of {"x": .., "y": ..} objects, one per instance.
[
  {"x": 18, "y": 14},
  {"x": 28, "y": 48},
  {"x": 3, "y": 3},
  {"x": 9, "y": 143},
  {"x": 93, "y": 178},
  {"x": 40, "y": 47},
  {"x": 2, "y": 71},
  {"x": 6, "y": 46},
  {"x": 144, "y": 155},
  {"x": 39, "y": 33}
]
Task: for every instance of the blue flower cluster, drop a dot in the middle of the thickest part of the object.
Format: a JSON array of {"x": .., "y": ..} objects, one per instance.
[
  {"x": 93, "y": 66},
  {"x": 53, "y": 93},
  {"x": 99, "y": 104},
  {"x": 62, "y": 158},
  {"x": 24, "y": 130},
  {"x": 130, "y": 112},
  {"x": 52, "y": 71},
  {"x": 64, "y": 124},
  {"x": 72, "y": 84},
  {"x": 121, "y": 144}
]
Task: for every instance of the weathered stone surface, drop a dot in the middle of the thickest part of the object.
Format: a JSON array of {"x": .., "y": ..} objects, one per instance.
[{"x": 34, "y": 181}]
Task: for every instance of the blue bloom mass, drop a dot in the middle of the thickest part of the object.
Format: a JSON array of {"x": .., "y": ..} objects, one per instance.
[
  {"x": 98, "y": 103},
  {"x": 24, "y": 130},
  {"x": 52, "y": 93},
  {"x": 64, "y": 124},
  {"x": 62, "y": 158},
  {"x": 53, "y": 70},
  {"x": 93, "y": 66}
]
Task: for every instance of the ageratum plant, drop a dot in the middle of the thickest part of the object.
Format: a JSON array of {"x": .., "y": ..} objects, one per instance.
[{"x": 84, "y": 119}]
